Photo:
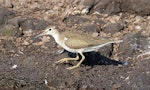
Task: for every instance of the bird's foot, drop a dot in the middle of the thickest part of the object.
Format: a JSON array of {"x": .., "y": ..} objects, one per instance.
[
  {"x": 76, "y": 66},
  {"x": 73, "y": 67},
  {"x": 64, "y": 60},
  {"x": 67, "y": 59}
]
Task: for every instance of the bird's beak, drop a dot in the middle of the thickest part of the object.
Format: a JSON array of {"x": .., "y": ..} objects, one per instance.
[{"x": 42, "y": 34}]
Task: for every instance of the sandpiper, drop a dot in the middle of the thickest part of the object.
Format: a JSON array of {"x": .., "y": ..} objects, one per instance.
[{"x": 76, "y": 42}]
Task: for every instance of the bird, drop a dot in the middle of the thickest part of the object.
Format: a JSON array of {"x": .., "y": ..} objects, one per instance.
[{"x": 75, "y": 42}]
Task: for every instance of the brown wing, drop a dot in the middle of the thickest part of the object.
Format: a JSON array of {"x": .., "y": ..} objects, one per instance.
[
  {"x": 79, "y": 40},
  {"x": 77, "y": 43}
]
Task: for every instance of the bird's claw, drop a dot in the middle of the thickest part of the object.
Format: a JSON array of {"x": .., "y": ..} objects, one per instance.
[
  {"x": 62, "y": 61},
  {"x": 73, "y": 67}
]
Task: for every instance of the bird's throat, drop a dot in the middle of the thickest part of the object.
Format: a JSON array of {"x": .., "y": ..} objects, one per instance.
[{"x": 57, "y": 38}]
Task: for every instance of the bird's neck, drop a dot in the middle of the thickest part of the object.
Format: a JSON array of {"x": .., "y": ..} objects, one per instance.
[{"x": 56, "y": 37}]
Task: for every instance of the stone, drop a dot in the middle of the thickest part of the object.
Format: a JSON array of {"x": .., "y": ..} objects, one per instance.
[
  {"x": 90, "y": 27},
  {"x": 106, "y": 50},
  {"x": 113, "y": 28},
  {"x": 141, "y": 7},
  {"x": 111, "y": 7},
  {"x": 34, "y": 24},
  {"x": 133, "y": 43},
  {"x": 71, "y": 20},
  {"x": 5, "y": 15}
]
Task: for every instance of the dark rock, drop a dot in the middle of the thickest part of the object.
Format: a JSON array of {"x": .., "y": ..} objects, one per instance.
[
  {"x": 90, "y": 27},
  {"x": 95, "y": 27},
  {"x": 12, "y": 26},
  {"x": 141, "y": 7},
  {"x": 90, "y": 3},
  {"x": 110, "y": 7},
  {"x": 132, "y": 43},
  {"x": 5, "y": 15},
  {"x": 106, "y": 50},
  {"x": 99, "y": 21},
  {"x": 16, "y": 21},
  {"x": 103, "y": 6},
  {"x": 6, "y": 12},
  {"x": 71, "y": 20},
  {"x": 33, "y": 24},
  {"x": 9, "y": 30},
  {"x": 113, "y": 28}
]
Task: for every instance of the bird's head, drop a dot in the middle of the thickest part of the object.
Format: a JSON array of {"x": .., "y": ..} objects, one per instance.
[{"x": 50, "y": 30}]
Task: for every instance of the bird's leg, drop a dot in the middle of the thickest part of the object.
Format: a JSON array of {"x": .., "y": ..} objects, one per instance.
[
  {"x": 67, "y": 59},
  {"x": 82, "y": 59}
]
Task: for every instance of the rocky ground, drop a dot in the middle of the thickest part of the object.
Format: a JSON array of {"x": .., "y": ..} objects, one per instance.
[{"x": 28, "y": 64}]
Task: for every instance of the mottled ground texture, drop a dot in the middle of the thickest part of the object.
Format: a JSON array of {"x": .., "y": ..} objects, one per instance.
[{"x": 28, "y": 64}]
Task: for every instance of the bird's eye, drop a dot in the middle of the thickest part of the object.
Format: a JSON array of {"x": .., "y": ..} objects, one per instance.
[{"x": 50, "y": 29}]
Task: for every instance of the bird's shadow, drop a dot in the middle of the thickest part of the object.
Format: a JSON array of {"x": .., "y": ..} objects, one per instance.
[{"x": 95, "y": 58}]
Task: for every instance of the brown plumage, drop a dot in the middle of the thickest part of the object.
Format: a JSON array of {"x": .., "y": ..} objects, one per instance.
[{"x": 76, "y": 42}]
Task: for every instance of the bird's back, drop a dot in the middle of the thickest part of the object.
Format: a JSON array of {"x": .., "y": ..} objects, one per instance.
[{"x": 77, "y": 40}]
